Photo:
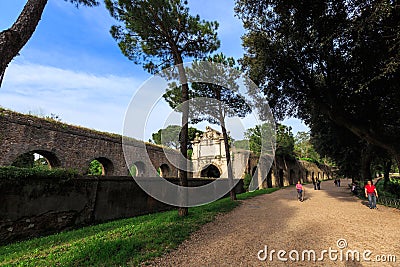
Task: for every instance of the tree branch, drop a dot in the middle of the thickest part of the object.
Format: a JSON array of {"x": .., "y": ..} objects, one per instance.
[{"x": 13, "y": 39}]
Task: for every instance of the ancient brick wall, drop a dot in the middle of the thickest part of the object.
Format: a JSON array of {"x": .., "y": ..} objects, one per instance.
[
  {"x": 73, "y": 147},
  {"x": 287, "y": 172},
  {"x": 35, "y": 207}
]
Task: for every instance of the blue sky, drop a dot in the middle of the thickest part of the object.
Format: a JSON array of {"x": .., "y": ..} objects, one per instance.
[{"x": 72, "y": 66}]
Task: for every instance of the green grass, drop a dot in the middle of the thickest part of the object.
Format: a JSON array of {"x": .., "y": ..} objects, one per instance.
[
  {"x": 247, "y": 195},
  {"x": 117, "y": 243}
]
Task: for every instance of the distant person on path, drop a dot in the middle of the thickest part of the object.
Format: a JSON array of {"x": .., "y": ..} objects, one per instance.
[
  {"x": 314, "y": 183},
  {"x": 338, "y": 182},
  {"x": 319, "y": 184},
  {"x": 300, "y": 191},
  {"x": 371, "y": 194},
  {"x": 354, "y": 188}
]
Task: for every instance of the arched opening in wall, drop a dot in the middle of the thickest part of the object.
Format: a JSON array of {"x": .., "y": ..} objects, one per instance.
[
  {"x": 299, "y": 177},
  {"x": 323, "y": 176},
  {"x": 281, "y": 178},
  {"x": 163, "y": 170},
  {"x": 138, "y": 169},
  {"x": 292, "y": 177},
  {"x": 269, "y": 179},
  {"x": 306, "y": 176},
  {"x": 211, "y": 171},
  {"x": 37, "y": 159},
  {"x": 100, "y": 166}
]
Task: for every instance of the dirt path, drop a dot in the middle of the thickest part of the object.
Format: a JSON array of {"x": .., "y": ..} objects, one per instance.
[{"x": 280, "y": 222}]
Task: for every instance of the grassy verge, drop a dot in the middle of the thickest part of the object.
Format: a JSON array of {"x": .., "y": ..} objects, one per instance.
[
  {"x": 256, "y": 193},
  {"x": 122, "y": 242}
]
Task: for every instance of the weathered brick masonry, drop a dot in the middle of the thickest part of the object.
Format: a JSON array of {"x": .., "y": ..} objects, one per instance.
[
  {"x": 32, "y": 207},
  {"x": 72, "y": 147},
  {"x": 35, "y": 207}
]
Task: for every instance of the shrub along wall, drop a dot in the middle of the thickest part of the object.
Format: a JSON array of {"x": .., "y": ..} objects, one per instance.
[{"x": 38, "y": 205}]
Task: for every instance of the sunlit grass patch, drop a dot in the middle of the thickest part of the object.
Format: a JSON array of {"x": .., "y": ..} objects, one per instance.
[{"x": 120, "y": 242}]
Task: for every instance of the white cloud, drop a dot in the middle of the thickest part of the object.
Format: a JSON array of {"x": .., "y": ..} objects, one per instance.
[
  {"x": 84, "y": 99},
  {"x": 88, "y": 100},
  {"x": 39, "y": 77}
]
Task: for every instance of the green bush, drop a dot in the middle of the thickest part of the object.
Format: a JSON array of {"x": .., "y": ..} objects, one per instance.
[
  {"x": 246, "y": 181},
  {"x": 310, "y": 160},
  {"x": 392, "y": 189},
  {"x": 16, "y": 173},
  {"x": 95, "y": 168}
]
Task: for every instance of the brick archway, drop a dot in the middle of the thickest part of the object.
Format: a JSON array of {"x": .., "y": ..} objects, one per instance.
[
  {"x": 51, "y": 158},
  {"x": 211, "y": 171},
  {"x": 74, "y": 147}
]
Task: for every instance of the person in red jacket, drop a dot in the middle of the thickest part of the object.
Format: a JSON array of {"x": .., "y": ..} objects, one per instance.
[{"x": 371, "y": 194}]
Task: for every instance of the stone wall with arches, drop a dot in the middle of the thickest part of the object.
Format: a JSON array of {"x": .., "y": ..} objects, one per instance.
[
  {"x": 286, "y": 172},
  {"x": 74, "y": 147},
  {"x": 68, "y": 146},
  {"x": 209, "y": 160}
]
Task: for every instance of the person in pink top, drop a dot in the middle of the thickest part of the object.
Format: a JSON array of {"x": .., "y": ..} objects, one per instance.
[{"x": 300, "y": 191}]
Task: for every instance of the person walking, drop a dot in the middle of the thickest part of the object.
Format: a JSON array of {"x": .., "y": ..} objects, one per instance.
[
  {"x": 319, "y": 184},
  {"x": 300, "y": 191},
  {"x": 371, "y": 194}
]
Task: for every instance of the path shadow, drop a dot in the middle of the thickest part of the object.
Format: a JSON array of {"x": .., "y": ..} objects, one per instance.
[
  {"x": 293, "y": 194},
  {"x": 342, "y": 193},
  {"x": 365, "y": 203}
]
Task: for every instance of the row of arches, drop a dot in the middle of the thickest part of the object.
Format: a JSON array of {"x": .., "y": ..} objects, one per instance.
[
  {"x": 98, "y": 166},
  {"x": 138, "y": 170},
  {"x": 292, "y": 178},
  {"x": 101, "y": 165},
  {"x": 306, "y": 176},
  {"x": 48, "y": 160}
]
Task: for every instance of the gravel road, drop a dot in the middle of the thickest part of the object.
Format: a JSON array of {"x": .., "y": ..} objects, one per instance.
[{"x": 329, "y": 219}]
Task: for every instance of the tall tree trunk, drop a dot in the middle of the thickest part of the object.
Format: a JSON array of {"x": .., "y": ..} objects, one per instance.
[
  {"x": 227, "y": 154},
  {"x": 221, "y": 118},
  {"x": 366, "y": 161},
  {"x": 275, "y": 165},
  {"x": 13, "y": 39},
  {"x": 184, "y": 136},
  {"x": 397, "y": 159},
  {"x": 387, "y": 166}
]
